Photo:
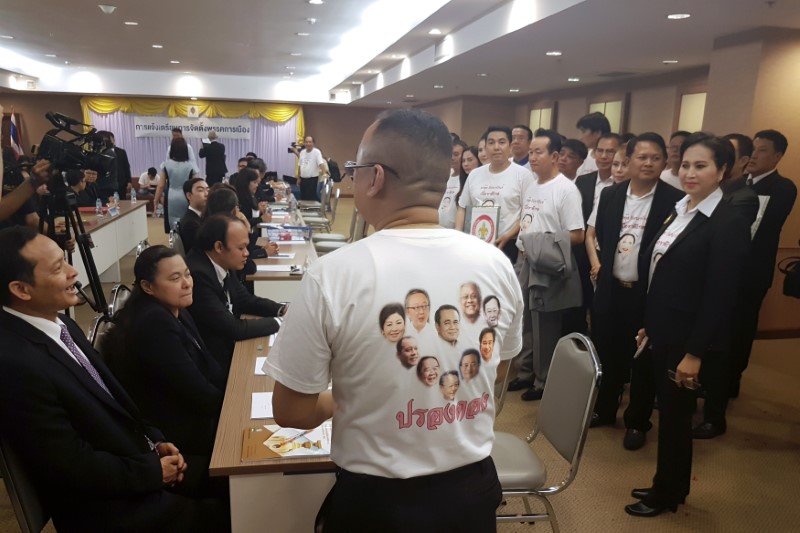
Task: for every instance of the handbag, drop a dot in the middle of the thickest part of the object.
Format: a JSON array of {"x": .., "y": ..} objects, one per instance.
[{"x": 790, "y": 268}]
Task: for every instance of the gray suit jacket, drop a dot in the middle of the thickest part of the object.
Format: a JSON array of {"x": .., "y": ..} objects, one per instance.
[{"x": 549, "y": 273}]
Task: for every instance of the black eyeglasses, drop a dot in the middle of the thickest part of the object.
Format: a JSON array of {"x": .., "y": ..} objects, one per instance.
[{"x": 351, "y": 166}]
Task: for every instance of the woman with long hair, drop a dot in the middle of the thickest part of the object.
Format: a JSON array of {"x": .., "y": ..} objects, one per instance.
[
  {"x": 246, "y": 184},
  {"x": 176, "y": 170}
]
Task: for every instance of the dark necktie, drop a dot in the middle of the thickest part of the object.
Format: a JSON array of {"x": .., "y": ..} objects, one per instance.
[
  {"x": 228, "y": 304},
  {"x": 66, "y": 338},
  {"x": 750, "y": 181}
]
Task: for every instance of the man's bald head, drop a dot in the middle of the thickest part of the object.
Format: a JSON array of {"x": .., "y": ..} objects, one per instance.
[{"x": 414, "y": 143}]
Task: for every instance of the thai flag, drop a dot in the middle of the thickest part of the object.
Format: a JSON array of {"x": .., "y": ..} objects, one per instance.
[{"x": 15, "y": 144}]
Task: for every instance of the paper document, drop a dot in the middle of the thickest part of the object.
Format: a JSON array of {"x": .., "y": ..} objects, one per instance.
[
  {"x": 262, "y": 405},
  {"x": 272, "y": 339},
  {"x": 283, "y": 256},
  {"x": 274, "y": 268},
  {"x": 260, "y": 366},
  {"x": 290, "y": 442}
]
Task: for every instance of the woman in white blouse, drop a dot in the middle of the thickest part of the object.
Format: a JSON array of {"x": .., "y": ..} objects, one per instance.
[{"x": 693, "y": 275}]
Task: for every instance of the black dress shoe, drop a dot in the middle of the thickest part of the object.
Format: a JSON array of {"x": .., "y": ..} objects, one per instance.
[
  {"x": 707, "y": 430},
  {"x": 532, "y": 394},
  {"x": 644, "y": 510},
  {"x": 646, "y": 494},
  {"x": 597, "y": 421},
  {"x": 634, "y": 439},
  {"x": 519, "y": 384}
]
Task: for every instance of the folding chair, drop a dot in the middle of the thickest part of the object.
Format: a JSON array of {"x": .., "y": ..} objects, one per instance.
[
  {"x": 563, "y": 420},
  {"x": 28, "y": 507}
]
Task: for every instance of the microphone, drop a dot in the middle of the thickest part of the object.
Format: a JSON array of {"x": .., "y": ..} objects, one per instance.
[{"x": 86, "y": 298}]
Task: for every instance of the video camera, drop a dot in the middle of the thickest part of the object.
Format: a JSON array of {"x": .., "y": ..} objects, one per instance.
[{"x": 293, "y": 147}]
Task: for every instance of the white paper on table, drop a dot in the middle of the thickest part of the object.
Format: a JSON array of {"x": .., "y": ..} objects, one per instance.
[
  {"x": 273, "y": 268},
  {"x": 283, "y": 256},
  {"x": 272, "y": 339},
  {"x": 279, "y": 213},
  {"x": 762, "y": 206},
  {"x": 260, "y": 366},
  {"x": 262, "y": 405}
]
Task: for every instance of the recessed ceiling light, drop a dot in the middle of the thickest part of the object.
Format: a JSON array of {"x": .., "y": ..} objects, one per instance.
[
  {"x": 482, "y": 75},
  {"x": 302, "y": 34},
  {"x": 107, "y": 9},
  {"x": 397, "y": 56},
  {"x": 175, "y": 62},
  {"x": 513, "y": 90},
  {"x": 66, "y": 62},
  {"x": 679, "y": 16},
  {"x": 573, "y": 79},
  {"x": 389, "y": 102},
  {"x": 409, "y": 96},
  {"x": 6, "y": 36},
  {"x": 158, "y": 46},
  {"x": 438, "y": 86},
  {"x": 355, "y": 83},
  {"x": 370, "y": 71},
  {"x": 670, "y": 61},
  {"x": 553, "y": 53},
  {"x": 193, "y": 98},
  {"x": 435, "y": 31},
  {"x": 296, "y": 54},
  {"x": 311, "y": 20},
  {"x": 290, "y": 67},
  {"x": 316, "y": 2},
  {"x": 131, "y": 23},
  {"x": 291, "y": 73},
  {"x": 49, "y": 55}
]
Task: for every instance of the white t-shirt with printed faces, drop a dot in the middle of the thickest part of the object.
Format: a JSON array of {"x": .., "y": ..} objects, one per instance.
[
  {"x": 550, "y": 207},
  {"x": 448, "y": 206},
  {"x": 634, "y": 219},
  {"x": 503, "y": 189},
  {"x": 390, "y": 422},
  {"x": 310, "y": 162}
]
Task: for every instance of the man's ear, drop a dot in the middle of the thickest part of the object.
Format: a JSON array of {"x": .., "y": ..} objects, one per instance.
[
  {"x": 20, "y": 290},
  {"x": 377, "y": 182},
  {"x": 218, "y": 247}
]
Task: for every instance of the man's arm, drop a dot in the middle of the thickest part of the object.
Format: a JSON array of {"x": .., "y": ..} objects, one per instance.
[
  {"x": 507, "y": 236},
  {"x": 576, "y": 237},
  {"x": 461, "y": 217},
  {"x": 14, "y": 200},
  {"x": 302, "y": 411}
]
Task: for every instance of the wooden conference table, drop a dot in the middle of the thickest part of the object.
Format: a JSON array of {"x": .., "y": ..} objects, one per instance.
[
  {"x": 113, "y": 238},
  {"x": 271, "y": 494}
]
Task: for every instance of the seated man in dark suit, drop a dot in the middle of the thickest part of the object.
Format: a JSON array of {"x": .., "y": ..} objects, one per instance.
[
  {"x": 220, "y": 299},
  {"x": 96, "y": 464},
  {"x": 196, "y": 192}
]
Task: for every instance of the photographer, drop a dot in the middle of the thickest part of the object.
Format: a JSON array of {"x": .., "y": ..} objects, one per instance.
[
  {"x": 312, "y": 166},
  {"x": 17, "y": 206}
]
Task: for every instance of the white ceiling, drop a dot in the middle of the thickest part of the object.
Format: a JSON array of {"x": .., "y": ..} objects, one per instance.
[{"x": 240, "y": 49}]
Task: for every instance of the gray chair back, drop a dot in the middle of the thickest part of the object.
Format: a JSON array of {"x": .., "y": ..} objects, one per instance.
[
  {"x": 334, "y": 204},
  {"x": 100, "y": 326},
  {"x": 569, "y": 395},
  {"x": 28, "y": 507},
  {"x": 120, "y": 295}
]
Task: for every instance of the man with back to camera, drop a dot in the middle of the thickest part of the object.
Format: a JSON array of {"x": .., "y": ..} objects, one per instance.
[
  {"x": 500, "y": 182},
  {"x": 97, "y": 466},
  {"x": 196, "y": 192},
  {"x": 214, "y": 153},
  {"x": 311, "y": 166},
  {"x": 592, "y": 127},
  {"x": 633, "y": 210},
  {"x": 220, "y": 299},
  {"x": 392, "y": 469}
]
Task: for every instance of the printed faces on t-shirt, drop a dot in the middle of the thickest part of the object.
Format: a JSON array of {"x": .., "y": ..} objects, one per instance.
[
  {"x": 444, "y": 347},
  {"x": 634, "y": 219}
]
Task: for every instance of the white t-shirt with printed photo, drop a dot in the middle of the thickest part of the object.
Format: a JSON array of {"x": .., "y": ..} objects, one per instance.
[
  {"x": 503, "y": 189},
  {"x": 634, "y": 219},
  {"x": 310, "y": 162},
  {"x": 448, "y": 206},
  {"x": 389, "y": 422},
  {"x": 550, "y": 207}
]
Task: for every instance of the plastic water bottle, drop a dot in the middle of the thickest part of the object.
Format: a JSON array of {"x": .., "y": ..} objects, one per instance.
[
  {"x": 172, "y": 238},
  {"x": 116, "y": 199},
  {"x": 159, "y": 211},
  {"x": 133, "y": 196},
  {"x": 292, "y": 203},
  {"x": 98, "y": 208}
]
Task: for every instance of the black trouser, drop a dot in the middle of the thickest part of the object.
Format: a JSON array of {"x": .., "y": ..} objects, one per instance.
[
  {"x": 212, "y": 179},
  {"x": 308, "y": 188},
  {"x": 642, "y": 393},
  {"x": 675, "y": 407},
  {"x": 715, "y": 378},
  {"x": 743, "y": 328},
  {"x": 613, "y": 332},
  {"x": 464, "y": 499},
  {"x": 511, "y": 251},
  {"x": 575, "y": 318}
]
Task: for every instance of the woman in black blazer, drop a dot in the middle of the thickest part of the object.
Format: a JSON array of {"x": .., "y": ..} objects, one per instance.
[
  {"x": 156, "y": 352},
  {"x": 246, "y": 184},
  {"x": 694, "y": 267}
]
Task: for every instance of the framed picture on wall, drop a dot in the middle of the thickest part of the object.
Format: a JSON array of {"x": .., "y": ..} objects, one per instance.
[{"x": 482, "y": 222}]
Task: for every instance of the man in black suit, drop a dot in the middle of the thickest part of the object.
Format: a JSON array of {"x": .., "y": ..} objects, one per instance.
[
  {"x": 769, "y": 146},
  {"x": 590, "y": 186},
  {"x": 196, "y": 192},
  {"x": 220, "y": 299},
  {"x": 123, "y": 169},
  {"x": 629, "y": 215},
  {"x": 214, "y": 153},
  {"x": 94, "y": 462}
]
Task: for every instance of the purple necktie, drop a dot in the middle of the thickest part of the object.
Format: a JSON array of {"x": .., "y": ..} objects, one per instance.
[{"x": 66, "y": 338}]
